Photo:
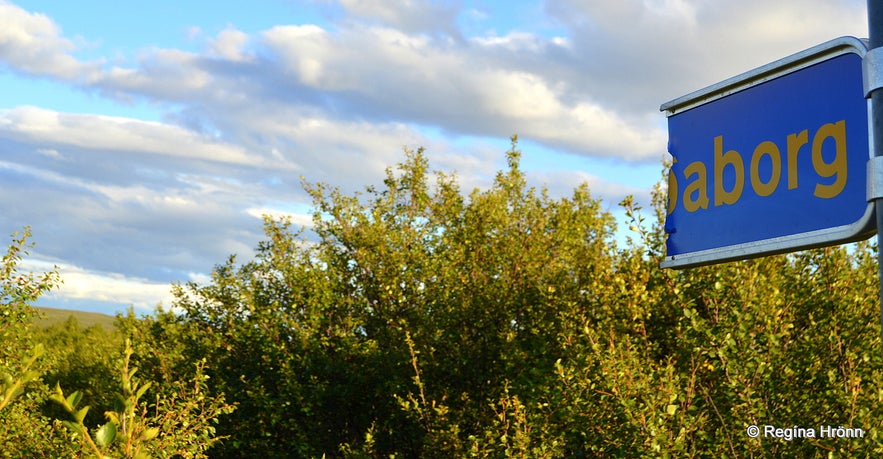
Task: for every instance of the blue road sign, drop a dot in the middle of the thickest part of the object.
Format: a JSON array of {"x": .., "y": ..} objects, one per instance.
[{"x": 772, "y": 160}]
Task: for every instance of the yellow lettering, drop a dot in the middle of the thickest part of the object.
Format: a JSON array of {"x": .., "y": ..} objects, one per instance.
[
  {"x": 721, "y": 160},
  {"x": 672, "y": 187},
  {"x": 829, "y": 161},
  {"x": 769, "y": 149},
  {"x": 837, "y": 167},
  {"x": 795, "y": 142},
  {"x": 698, "y": 186}
]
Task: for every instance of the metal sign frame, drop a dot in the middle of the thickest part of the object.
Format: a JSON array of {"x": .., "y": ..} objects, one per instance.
[{"x": 862, "y": 228}]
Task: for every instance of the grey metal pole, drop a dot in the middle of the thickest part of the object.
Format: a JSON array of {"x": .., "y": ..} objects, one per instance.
[{"x": 875, "y": 40}]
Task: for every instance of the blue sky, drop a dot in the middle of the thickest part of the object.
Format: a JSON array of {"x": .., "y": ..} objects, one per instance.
[{"x": 142, "y": 143}]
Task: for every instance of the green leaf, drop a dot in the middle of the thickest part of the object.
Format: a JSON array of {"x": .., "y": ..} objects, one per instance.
[
  {"x": 106, "y": 434},
  {"x": 670, "y": 409},
  {"x": 73, "y": 399},
  {"x": 57, "y": 399},
  {"x": 38, "y": 351},
  {"x": 119, "y": 403},
  {"x": 73, "y": 426},
  {"x": 141, "y": 390},
  {"x": 150, "y": 433},
  {"x": 80, "y": 415}
]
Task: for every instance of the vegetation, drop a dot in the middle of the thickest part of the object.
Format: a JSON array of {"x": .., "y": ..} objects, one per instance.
[
  {"x": 418, "y": 320},
  {"x": 141, "y": 418}
]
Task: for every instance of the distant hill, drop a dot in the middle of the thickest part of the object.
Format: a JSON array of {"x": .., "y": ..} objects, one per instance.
[{"x": 53, "y": 316}]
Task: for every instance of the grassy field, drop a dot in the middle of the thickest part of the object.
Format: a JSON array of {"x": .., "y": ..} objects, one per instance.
[{"x": 51, "y": 316}]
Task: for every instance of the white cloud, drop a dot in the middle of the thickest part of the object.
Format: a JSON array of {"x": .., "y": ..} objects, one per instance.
[
  {"x": 412, "y": 16},
  {"x": 643, "y": 53},
  {"x": 83, "y": 284},
  {"x": 49, "y": 127},
  {"x": 121, "y": 206},
  {"x": 230, "y": 45},
  {"x": 304, "y": 50},
  {"x": 460, "y": 89},
  {"x": 33, "y": 43},
  {"x": 50, "y": 152},
  {"x": 382, "y": 74},
  {"x": 168, "y": 74},
  {"x": 113, "y": 287}
]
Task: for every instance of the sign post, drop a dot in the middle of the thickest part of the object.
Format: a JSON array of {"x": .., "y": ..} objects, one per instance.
[
  {"x": 873, "y": 84},
  {"x": 774, "y": 160}
]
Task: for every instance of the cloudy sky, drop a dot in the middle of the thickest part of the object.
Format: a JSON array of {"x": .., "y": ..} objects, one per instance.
[{"x": 143, "y": 143}]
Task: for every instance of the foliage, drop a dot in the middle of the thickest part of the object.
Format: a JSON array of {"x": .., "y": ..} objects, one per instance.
[
  {"x": 178, "y": 421},
  {"x": 179, "y": 427},
  {"x": 18, "y": 290},
  {"x": 83, "y": 360},
  {"x": 422, "y": 322},
  {"x": 11, "y": 387},
  {"x": 24, "y": 431},
  {"x": 418, "y": 320}
]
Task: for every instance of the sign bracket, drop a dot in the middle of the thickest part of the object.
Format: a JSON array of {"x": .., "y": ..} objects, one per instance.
[
  {"x": 872, "y": 72},
  {"x": 875, "y": 178}
]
